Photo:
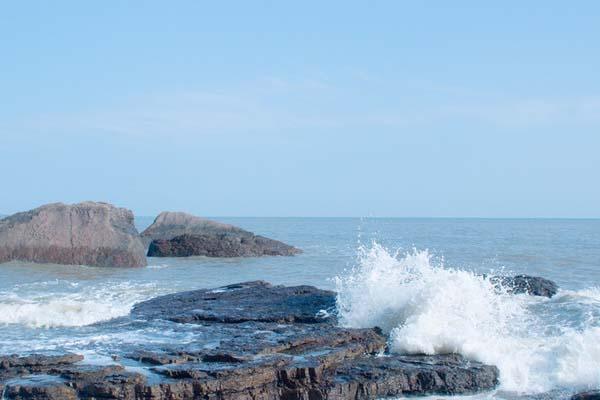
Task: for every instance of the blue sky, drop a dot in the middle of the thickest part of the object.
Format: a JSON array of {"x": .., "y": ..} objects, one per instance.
[{"x": 341, "y": 108}]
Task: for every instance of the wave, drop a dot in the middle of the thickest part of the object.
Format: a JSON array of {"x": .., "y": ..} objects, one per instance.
[
  {"x": 86, "y": 306},
  {"x": 427, "y": 308}
]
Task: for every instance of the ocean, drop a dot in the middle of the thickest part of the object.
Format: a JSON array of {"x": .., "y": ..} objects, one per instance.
[{"x": 421, "y": 280}]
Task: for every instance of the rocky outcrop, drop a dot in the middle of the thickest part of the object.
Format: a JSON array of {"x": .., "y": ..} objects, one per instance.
[
  {"x": 252, "y": 341},
  {"x": 170, "y": 224},
  {"x": 590, "y": 395},
  {"x": 532, "y": 285},
  {"x": 219, "y": 246},
  {"x": 256, "y": 301},
  {"x": 96, "y": 234},
  {"x": 177, "y": 234}
]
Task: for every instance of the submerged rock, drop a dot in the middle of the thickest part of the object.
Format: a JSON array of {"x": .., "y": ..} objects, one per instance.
[
  {"x": 177, "y": 234},
  {"x": 250, "y": 341},
  {"x": 96, "y": 234},
  {"x": 532, "y": 285}
]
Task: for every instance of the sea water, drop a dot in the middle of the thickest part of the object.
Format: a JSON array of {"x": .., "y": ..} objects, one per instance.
[{"x": 423, "y": 281}]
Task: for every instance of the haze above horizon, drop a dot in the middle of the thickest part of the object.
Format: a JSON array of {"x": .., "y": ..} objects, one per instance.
[{"x": 309, "y": 109}]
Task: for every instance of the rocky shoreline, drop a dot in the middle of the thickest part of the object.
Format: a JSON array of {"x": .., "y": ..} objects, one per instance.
[{"x": 252, "y": 341}]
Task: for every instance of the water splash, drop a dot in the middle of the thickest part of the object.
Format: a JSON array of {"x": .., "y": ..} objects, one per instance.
[
  {"x": 427, "y": 308},
  {"x": 64, "y": 308}
]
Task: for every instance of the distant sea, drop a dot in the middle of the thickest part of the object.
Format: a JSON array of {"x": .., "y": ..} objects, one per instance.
[{"x": 420, "y": 279}]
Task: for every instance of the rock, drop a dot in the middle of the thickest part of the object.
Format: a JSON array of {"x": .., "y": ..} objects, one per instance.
[
  {"x": 396, "y": 375},
  {"x": 219, "y": 246},
  {"x": 96, "y": 234},
  {"x": 251, "y": 340},
  {"x": 170, "y": 224},
  {"x": 13, "y": 365},
  {"x": 532, "y": 285},
  {"x": 36, "y": 361},
  {"x": 177, "y": 234},
  {"x": 39, "y": 387},
  {"x": 250, "y": 301},
  {"x": 590, "y": 395}
]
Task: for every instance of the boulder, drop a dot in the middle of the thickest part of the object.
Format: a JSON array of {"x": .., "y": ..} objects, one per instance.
[
  {"x": 177, "y": 234},
  {"x": 89, "y": 233},
  {"x": 219, "y": 246},
  {"x": 532, "y": 285},
  {"x": 589, "y": 395}
]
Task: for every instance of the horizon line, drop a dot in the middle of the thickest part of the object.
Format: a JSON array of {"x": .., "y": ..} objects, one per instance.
[{"x": 379, "y": 217}]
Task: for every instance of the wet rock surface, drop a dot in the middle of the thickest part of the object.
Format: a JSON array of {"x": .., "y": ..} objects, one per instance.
[
  {"x": 251, "y": 341},
  {"x": 249, "y": 301},
  {"x": 177, "y": 234},
  {"x": 589, "y": 395},
  {"x": 532, "y": 285},
  {"x": 96, "y": 234}
]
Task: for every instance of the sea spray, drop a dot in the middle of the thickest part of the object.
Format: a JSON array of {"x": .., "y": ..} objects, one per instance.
[
  {"x": 427, "y": 308},
  {"x": 68, "y": 307}
]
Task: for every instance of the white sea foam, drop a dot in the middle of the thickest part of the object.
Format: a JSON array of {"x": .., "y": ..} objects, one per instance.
[
  {"x": 428, "y": 308},
  {"x": 158, "y": 266},
  {"x": 92, "y": 304}
]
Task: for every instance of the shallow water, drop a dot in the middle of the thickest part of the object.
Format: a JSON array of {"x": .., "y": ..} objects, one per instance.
[{"x": 419, "y": 279}]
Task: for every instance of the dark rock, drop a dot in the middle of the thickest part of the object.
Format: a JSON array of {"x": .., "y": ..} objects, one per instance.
[
  {"x": 219, "y": 246},
  {"x": 532, "y": 285},
  {"x": 89, "y": 233},
  {"x": 250, "y": 301},
  {"x": 251, "y": 341},
  {"x": 176, "y": 234},
  {"x": 396, "y": 375},
  {"x": 39, "y": 387},
  {"x": 590, "y": 395},
  {"x": 36, "y": 361}
]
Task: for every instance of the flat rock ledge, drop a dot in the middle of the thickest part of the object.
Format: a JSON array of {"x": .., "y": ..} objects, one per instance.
[
  {"x": 252, "y": 341},
  {"x": 177, "y": 234}
]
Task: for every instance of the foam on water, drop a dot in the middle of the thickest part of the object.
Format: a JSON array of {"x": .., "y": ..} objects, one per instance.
[
  {"x": 63, "y": 308},
  {"x": 429, "y": 308}
]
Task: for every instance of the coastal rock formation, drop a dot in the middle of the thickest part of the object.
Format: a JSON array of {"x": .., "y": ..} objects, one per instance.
[
  {"x": 590, "y": 395},
  {"x": 250, "y": 301},
  {"x": 219, "y": 246},
  {"x": 532, "y": 285},
  {"x": 251, "y": 341},
  {"x": 96, "y": 234},
  {"x": 177, "y": 234}
]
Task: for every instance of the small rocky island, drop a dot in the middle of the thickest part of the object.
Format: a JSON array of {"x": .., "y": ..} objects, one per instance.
[
  {"x": 252, "y": 341},
  {"x": 102, "y": 235},
  {"x": 89, "y": 233},
  {"x": 178, "y": 234}
]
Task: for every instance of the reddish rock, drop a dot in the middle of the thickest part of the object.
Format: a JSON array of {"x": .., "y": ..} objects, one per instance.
[{"x": 96, "y": 234}]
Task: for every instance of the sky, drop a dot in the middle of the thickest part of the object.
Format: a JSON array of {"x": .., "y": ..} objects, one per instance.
[{"x": 308, "y": 108}]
